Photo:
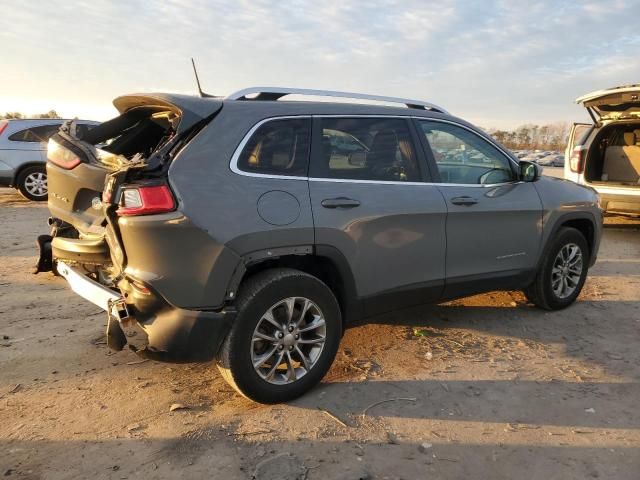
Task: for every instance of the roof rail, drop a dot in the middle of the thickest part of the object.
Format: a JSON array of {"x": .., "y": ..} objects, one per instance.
[{"x": 274, "y": 93}]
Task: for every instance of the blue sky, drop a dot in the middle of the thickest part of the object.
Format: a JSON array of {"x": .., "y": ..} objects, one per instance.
[{"x": 495, "y": 63}]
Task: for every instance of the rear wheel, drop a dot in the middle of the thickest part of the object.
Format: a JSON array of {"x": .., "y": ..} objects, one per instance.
[
  {"x": 284, "y": 338},
  {"x": 32, "y": 183},
  {"x": 563, "y": 272}
]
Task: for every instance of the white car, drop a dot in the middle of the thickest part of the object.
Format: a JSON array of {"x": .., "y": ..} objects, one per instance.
[
  {"x": 605, "y": 155},
  {"x": 553, "y": 160}
]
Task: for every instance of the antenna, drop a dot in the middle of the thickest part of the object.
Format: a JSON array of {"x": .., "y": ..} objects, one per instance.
[{"x": 195, "y": 72}]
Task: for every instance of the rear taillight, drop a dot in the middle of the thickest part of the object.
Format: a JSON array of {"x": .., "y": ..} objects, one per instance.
[
  {"x": 146, "y": 200},
  {"x": 576, "y": 162},
  {"x": 3, "y": 125},
  {"x": 60, "y": 156}
]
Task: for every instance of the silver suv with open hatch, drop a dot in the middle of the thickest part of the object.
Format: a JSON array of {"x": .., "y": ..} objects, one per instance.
[
  {"x": 605, "y": 154},
  {"x": 253, "y": 230}
]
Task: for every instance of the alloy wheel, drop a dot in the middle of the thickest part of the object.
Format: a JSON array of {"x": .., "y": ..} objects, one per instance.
[
  {"x": 288, "y": 340},
  {"x": 36, "y": 184},
  {"x": 567, "y": 270}
]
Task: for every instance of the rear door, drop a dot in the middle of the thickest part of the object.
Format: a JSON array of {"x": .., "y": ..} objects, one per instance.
[
  {"x": 370, "y": 203},
  {"x": 494, "y": 220}
]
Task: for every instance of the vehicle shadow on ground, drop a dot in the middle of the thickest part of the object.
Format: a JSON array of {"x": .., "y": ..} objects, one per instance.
[
  {"x": 536, "y": 404},
  {"x": 576, "y": 330},
  {"x": 214, "y": 456}
]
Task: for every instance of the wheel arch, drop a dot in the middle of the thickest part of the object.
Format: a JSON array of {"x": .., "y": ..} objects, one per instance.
[
  {"x": 22, "y": 167},
  {"x": 323, "y": 262},
  {"x": 584, "y": 222},
  {"x": 584, "y": 226}
]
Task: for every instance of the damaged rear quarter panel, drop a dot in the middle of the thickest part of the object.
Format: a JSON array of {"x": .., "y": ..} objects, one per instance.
[{"x": 177, "y": 259}]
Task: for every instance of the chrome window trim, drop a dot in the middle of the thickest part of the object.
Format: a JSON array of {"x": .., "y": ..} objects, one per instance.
[
  {"x": 238, "y": 151},
  {"x": 390, "y": 182},
  {"x": 233, "y": 165}
]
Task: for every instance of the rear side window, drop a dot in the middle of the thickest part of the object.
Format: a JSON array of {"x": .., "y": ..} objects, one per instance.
[
  {"x": 278, "y": 147},
  {"x": 378, "y": 149},
  {"x": 579, "y": 133},
  {"x": 35, "y": 134}
]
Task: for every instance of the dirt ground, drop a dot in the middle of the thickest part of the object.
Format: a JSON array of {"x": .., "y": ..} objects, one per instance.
[{"x": 488, "y": 387}]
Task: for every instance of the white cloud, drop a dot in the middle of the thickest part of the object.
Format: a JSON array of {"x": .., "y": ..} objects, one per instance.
[{"x": 496, "y": 62}]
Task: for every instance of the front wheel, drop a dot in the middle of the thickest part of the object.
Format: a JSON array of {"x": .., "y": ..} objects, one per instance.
[
  {"x": 284, "y": 338},
  {"x": 562, "y": 273},
  {"x": 32, "y": 183}
]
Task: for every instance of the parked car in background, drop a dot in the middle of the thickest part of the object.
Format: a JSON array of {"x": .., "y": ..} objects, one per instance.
[
  {"x": 553, "y": 160},
  {"x": 23, "y": 150},
  {"x": 605, "y": 155},
  {"x": 243, "y": 230},
  {"x": 533, "y": 157}
]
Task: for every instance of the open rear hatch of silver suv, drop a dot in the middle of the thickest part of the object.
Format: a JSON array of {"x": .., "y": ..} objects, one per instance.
[
  {"x": 612, "y": 161},
  {"x": 138, "y": 144}
]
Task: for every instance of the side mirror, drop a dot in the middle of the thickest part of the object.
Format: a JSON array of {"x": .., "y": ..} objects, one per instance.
[
  {"x": 357, "y": 159},
  {"x": 529, "y": 171}
]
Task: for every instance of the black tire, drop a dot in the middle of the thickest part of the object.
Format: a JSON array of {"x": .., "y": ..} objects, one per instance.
[
  {"x": 541, "y": 292},
  {"x": 257, "y": 296},
  {"x": 25, "y": 183}
]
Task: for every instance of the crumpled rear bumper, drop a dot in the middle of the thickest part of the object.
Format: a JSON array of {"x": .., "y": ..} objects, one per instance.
[{"x": 153, "y": 329}]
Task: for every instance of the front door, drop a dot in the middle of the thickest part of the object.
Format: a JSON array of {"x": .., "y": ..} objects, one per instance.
[
  {"x": 370, "y": 203},
  {"x": 494, "y": 221}
]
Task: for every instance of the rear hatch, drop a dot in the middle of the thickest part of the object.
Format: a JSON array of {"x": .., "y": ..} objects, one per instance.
[
  {"x": 612, "y": 104},
  {"x": 146, "y": 134}
]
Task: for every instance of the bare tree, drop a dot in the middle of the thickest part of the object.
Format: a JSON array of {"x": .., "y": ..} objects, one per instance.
[
  {"x": 19, "y": 115},
  {"x": 12, "y": 116},
  {"x": 529, "y": 137},
  {"x": 49, "y": 114}
]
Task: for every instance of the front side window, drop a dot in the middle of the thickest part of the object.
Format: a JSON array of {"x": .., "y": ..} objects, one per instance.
[
  {"x": 377, "y": 149},
  {"x": 35, "y": 134},
  {"x": 463, "y": 157},
  {"x": 278, "y": 147}
]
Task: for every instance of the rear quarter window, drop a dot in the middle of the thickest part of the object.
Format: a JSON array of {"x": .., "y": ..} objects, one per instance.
[
  {"x": 580, "y": 134},
  {"x": 35, "y": 134},
  {"x": 278, "y": 147}
]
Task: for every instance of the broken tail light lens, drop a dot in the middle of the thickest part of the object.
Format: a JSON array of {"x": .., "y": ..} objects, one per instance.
[
  {"x": 146, "y": 200},
  {"x": 60, "y": 156},
  {"x": 576, "y": 162}
]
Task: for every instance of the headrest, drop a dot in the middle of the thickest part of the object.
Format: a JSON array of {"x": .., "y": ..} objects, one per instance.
[
  {"x": 629, "y": 138},
  {"x": 384, "y": 142}
]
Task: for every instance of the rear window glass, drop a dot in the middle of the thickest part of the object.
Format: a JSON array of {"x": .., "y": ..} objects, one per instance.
[
  {"x": 278, "y": 147},
  {"x": 35, "y": 134},
  {"x": 579, "y": 133}
]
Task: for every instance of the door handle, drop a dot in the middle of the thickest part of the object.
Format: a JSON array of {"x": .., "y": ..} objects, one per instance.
[
  {"x": 340, "y": 202},
  {"x": 468, "y": 201}
]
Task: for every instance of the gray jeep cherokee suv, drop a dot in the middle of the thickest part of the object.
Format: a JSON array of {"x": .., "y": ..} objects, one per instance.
[{"x": 253, "y": 231}]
